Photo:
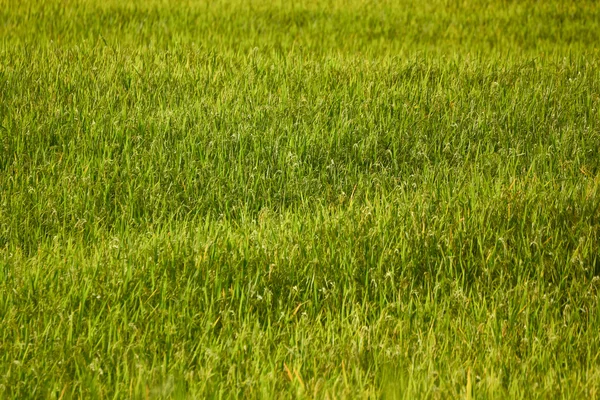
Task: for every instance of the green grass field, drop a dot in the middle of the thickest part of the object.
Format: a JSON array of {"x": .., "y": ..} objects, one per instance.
[{"x": 299, "y": 199}]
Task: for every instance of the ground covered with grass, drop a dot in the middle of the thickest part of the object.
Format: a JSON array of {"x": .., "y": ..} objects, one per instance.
[{"x": 299, "y": 199}]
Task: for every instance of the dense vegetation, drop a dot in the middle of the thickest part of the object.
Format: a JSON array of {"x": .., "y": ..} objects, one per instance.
[{"x": 312, "y": 199}]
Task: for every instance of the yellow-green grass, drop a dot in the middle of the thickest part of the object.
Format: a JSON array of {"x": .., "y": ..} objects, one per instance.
[{"x": 299, "y": 199}]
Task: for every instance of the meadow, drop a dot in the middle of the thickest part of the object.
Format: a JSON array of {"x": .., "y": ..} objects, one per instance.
[{"x": 299, "y": 199}]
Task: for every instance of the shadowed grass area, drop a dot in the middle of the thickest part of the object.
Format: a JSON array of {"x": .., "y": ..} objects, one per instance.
[{"x": 299, "y": 199}]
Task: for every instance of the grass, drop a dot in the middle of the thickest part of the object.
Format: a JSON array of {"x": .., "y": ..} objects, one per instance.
[{"x": 299, "y": 199}]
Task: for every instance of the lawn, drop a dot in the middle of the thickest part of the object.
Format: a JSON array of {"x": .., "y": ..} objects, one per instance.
[{"x": 333, "y": 199}]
